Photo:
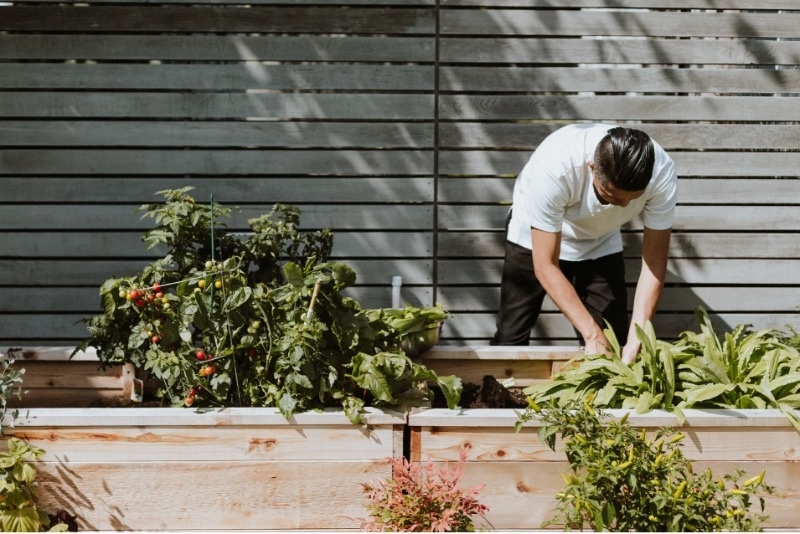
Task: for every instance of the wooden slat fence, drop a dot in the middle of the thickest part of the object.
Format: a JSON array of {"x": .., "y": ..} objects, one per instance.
[{"x": 400, "y": 125}]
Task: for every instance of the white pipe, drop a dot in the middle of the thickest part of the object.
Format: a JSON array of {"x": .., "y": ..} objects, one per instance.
[{"x": 397, "y": 283}]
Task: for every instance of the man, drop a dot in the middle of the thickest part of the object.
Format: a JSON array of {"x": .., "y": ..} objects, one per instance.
[{"x": 582, "y": 183}]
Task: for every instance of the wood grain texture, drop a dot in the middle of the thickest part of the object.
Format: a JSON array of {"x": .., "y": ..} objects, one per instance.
[
  {"x": 522, "y": 474},
  {"x": 249, "y": 468}
]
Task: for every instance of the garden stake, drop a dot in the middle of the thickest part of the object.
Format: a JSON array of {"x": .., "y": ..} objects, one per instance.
[
  {"x": 211, "y": 302},
  {"x": 313, "y": 300}
]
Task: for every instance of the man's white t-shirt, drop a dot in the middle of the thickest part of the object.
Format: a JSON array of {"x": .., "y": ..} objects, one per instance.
[{"x": 554, "y": 193}]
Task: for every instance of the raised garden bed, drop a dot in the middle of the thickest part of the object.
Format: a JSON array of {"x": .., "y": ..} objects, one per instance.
[
  {"x": 52, "y": 378},
  {"x": 522, "y": 366},
  {"x": 522, "y": 474},
  {"x": 227, "y": 469}
]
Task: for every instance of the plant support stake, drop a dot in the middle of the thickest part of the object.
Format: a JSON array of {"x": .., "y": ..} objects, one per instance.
[
  {"x": 211, "y": 302},
  {"x": 313, "y": 300}
]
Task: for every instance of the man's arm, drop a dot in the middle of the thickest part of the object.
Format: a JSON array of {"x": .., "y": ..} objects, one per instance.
[
  {"x": 546, "y": 248},
  {"x": 655, "y": 248}
]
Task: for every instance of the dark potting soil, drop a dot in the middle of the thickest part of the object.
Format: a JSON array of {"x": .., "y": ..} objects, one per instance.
[{"x": 488, "y": 394}]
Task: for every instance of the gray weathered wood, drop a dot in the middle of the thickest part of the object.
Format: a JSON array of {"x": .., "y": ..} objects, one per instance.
[
  {"x": 633, "y": 23},
  {"x": 235, "y": 77},
  {"x": 214, "y": 106},
  {"x": 227, "y": 190},
  {"x": 265, "y": 19},
  {"x": 692, "y": 244},
  {"x": 338, "y": 109},
  {"x": 709, "y": 163},
  {"x": 121, "y": 217},
  {"x": 232, "y": 47},
  {"x": 622, "y": 79},
  {"x": 646, "y": 50},
  {"x": 217, "y": 134},
  {"x": 671, "y": 136},
  {"x": 604, "y": 108},
  {"x": 214, "y": 162}
]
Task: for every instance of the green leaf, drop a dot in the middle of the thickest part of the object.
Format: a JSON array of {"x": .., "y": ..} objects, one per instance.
[
  {"x": 696, "y": 396},
  {"x": 20, "y": 520},
  {"x": 238, "y": 297},
  {"x": 451, "y": 388},
  {"x": 294, "y": 274}
]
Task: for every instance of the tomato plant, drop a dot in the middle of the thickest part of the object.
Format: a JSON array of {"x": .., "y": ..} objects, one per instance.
[{"x": 249, "y": 340}]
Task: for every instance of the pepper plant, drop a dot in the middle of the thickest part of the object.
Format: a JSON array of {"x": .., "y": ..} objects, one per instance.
[
  {"x": 263, "y": 321},
  {"x": 620, "y": 480}
]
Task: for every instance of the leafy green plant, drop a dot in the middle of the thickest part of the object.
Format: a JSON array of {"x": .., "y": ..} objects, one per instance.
[
  {"x": 18, "y": 509},
  {"x": 422, "y": 498},
  {"x": 221, "y": 321},
  {"x": 741, "y": 369},
  {"x": 409, "y": 320},
  {"x": 10, "y": 385},
  {"x": 622, "y": 481}
]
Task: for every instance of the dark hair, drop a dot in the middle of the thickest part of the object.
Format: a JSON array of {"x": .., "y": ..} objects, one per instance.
[{"x": 625, "y": 158}]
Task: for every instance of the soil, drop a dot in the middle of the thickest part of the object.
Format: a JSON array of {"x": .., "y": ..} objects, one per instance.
[{"x": 489, "y": 394}]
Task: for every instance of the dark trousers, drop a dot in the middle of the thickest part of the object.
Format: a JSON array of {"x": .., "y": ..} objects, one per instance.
[{"x": 600, "y": 284}]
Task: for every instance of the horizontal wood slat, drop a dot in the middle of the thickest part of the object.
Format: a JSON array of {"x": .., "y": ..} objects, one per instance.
[
  {"x": 299, "y": 190},
  {"x": 682, "y": 245},
  {"x": 128, "y": 244},
  {"x": 122, "y": 217},
  {"x": 214, "y": 162},
  {"x": 217, "y": 106},
  {"x": 262, "y": 19},
  {"x": 670, "y": 136},
  {"x": 518, "y": 22},
  {"x": 80, "y": 272},
  {"x": 618, "y": 108},
  {"x": 721, "y": 299},
  {"x": 700, "y": 271},
  {"x": 687, "y": 218},
  {"x": 630, "y": 79},
  {"x": 640, "y": 4},
  {"x": 217, "y": 134},
  {"x": 733, "y": 164},
  {"x": 357, "y": 77},
  {"x": 586, "y": 49},
  {"x": 737, "y": 191},
  {"x": 121, "y": 47}
]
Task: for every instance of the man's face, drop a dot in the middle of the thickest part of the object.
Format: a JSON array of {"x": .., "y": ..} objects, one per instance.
[{"x": 608, "y": 194}]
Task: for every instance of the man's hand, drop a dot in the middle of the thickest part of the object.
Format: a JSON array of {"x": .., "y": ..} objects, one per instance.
[
  {"x": 597, "y": 345},
  {"x": 630, "y": 352}
]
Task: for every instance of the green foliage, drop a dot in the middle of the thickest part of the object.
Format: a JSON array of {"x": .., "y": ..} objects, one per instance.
[
  {"x": 10, "y": 384},
  {"x": 409, "y": 320},
  {"x": 265, "y": 325},
  {"x": 422, "y": 498},
  {"x": 621, "y": 481},
  {"x": 741, "y": 369},
  {"x": 18, "y": 509}
]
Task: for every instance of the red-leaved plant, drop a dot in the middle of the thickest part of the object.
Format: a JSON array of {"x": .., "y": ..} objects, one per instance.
[{"x": 422, "y": 498}]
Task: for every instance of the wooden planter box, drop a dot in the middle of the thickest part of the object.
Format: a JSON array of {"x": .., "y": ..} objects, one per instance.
[
  {"x": 202, "y": 469},
  {"x": 53, "y": 378},
  {"x": 522, "y": 474},
  {"x": 525, "y": 365}
]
